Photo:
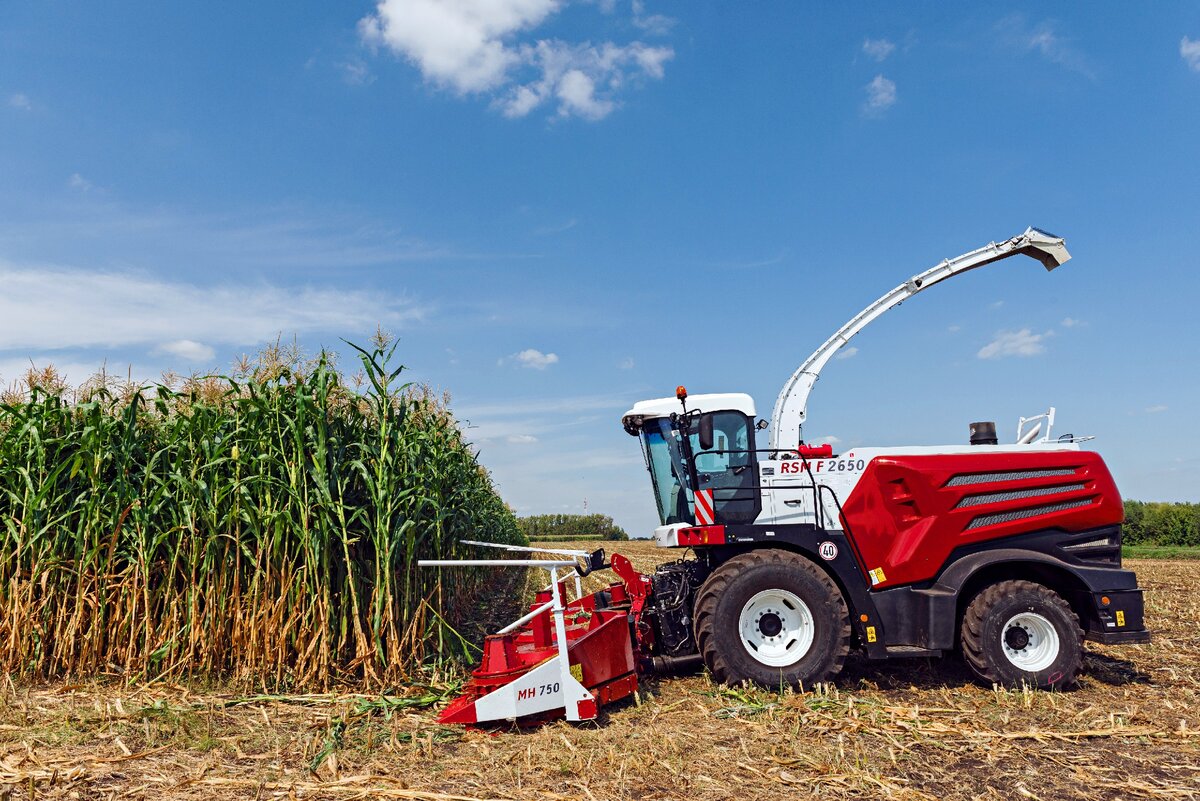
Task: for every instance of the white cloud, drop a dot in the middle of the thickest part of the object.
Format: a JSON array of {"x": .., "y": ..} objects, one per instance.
[
  {"x": 458, "y": 45},
  {"x": 1071, "y": 322},
  {"x": 583, "y": 79},
  {"x": 355, "y": 72},
  {"x": 626, "y": 364},
  {"x": 79, "y": 183},
  {"x": 847, "y": 353},
  {"x": 21, "y": 101},
  {"x": 499, "y": 421},
  {"x": 1190, "y": 51},
  {"x": 542, "y": 407},
  {"x": 471, "y": 47},
  {"x": 563, "y": 425},
  {"x": 830, "y": 440},
  {"x": 521, "y": 439},
  {"x": 547, "y": 230},
  {"x": 326, "y": 238},
  {"x": 878, "y": 49},
  {"x": 188, "y": 349},
  {"x": 1015, "y": 343},
  {"x": 533, "y": 359},
  {"x": 1045, "y": 40},
  {"x": 578, "y": 95},
  {"x": 1156, "y": 408},
  {"x": 49, "y": 308},
  {"x": 881, "y": 95},
  {"x": 996, "y": 304},
  {"x": 652, "y": 24},
  {"x": 750, "y": 263},
  {"x": 954, "y": 329}
]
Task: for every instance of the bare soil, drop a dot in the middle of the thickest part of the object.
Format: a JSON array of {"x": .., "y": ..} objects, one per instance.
[{"x": 913, "y": 729}]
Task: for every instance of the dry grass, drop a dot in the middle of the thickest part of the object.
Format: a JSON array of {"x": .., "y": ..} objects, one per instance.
[{"x": 906, "y": 730}]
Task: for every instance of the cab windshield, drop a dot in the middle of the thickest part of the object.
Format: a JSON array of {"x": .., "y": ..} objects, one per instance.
[
  {"x": 727, "y": 469},
  {"x": 671, "y": 480}
]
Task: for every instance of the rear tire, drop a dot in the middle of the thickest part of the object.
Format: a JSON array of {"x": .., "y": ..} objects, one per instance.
[
  {"x": 773, "y": 618},
  {"x": 1019, "y": 632}
]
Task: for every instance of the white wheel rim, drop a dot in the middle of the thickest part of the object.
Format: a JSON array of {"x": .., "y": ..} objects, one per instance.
[
  {"x": 776, "y": 628},
  {"x": 1030, "y": 642}
]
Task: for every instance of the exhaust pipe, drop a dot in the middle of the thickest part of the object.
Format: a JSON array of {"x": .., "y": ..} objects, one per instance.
[{"x": 674, "y": 665}]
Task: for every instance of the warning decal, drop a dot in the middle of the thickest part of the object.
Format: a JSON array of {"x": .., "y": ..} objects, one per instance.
[{"x": 704, "y": 508}]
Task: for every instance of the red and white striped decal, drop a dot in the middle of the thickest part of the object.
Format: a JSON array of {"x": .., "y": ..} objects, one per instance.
[{"x": 704, "y": 508}]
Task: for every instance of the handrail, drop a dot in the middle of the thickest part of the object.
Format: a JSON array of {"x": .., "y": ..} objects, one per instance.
[
  {"x": 546, "y": 563},
  {"x": 521, "y": 621},
  {"x": 527, "y": 549},
  {"x": 858, "y": 558},
  {"x": 524, "y": 548}
]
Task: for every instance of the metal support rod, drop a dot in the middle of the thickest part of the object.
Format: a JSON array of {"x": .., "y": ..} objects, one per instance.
[
  {"x": 546, "y": 563},
  {"x": 524, "y": 549},
  {"x": 571, "y": 706},
  {"x": 516, "y": 624},
  {"x": 578, "y": 584}
]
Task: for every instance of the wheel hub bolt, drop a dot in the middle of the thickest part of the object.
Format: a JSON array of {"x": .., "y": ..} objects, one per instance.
[
  {"x": 769, "y": 624},
  {"x": 1016, "y": 638}
]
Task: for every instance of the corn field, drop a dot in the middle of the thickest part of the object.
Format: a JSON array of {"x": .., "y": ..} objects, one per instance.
[{"x": 262, "y": 527}]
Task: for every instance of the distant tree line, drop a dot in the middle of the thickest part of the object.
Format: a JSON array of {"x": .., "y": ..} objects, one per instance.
[
  {"x": 571, "y": 527},
  {"x": 1162, "y": 523}
]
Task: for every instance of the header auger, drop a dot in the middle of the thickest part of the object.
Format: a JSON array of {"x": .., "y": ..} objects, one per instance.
[{"x": 1009, "y": 554}]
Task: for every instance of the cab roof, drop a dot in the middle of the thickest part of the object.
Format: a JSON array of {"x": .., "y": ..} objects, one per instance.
[{"x": 720, "y": 401}]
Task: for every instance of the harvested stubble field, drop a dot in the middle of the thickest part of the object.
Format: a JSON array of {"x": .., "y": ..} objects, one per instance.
[{"x": 907, "y": 730}]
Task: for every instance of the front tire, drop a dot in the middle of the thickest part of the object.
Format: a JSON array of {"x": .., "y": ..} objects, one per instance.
[
  {"x": 1019, "y": 632},
  {"x": 773, "y": 618}
]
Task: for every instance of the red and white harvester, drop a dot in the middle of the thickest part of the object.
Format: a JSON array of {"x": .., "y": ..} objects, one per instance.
[{"x": 1009, "y": 553}]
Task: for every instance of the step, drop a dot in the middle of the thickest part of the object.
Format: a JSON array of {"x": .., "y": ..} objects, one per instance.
[{"x": 911, "y": 651}]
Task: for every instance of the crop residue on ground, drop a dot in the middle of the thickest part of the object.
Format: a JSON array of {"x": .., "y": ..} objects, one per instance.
[{"x": 916, "y": 729}]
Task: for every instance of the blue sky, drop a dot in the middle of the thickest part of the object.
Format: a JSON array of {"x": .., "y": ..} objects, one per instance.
[{"x": 561, "y": 208}]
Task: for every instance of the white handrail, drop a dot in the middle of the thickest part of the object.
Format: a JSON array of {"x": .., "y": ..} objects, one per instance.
[
  {"x": 1024, "y": 437},
  {"x": 549, "y": 564},
  {"x": 578, "y": 584},
  {"x": 525, "y": 549},
  {"x": 521, "y": 621}
]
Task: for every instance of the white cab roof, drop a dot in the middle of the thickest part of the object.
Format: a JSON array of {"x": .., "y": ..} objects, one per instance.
[{"x": 662, "y": 407}]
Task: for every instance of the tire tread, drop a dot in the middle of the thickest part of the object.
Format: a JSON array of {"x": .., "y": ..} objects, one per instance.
[
  {"x": 971, "y": 633},
  {"x": 718, "y": 583}
]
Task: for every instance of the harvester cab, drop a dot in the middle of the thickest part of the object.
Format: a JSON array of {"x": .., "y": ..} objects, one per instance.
[
  {"x": 1007, "y": 553},
  {"x": 696, "y": 454}
]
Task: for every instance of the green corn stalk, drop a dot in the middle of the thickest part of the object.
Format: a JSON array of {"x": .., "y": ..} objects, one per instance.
[{"x": 263, "y": 527}]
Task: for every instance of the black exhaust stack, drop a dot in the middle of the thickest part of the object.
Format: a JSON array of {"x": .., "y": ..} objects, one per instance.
[{"x": 984, "y": 433}]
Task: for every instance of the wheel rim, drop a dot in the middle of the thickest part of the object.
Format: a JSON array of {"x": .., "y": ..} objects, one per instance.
[
  {"x": 776, "y": 627},
  {"x": 1030, "y": 642}
]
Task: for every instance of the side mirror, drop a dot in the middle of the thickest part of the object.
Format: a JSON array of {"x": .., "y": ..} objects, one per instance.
[
  {"x": 706, "y": 432},
  {"x": 762, "y": 425}
]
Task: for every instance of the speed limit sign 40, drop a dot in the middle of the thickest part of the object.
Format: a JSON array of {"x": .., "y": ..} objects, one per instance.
[{"x": 827, "y": 550}]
